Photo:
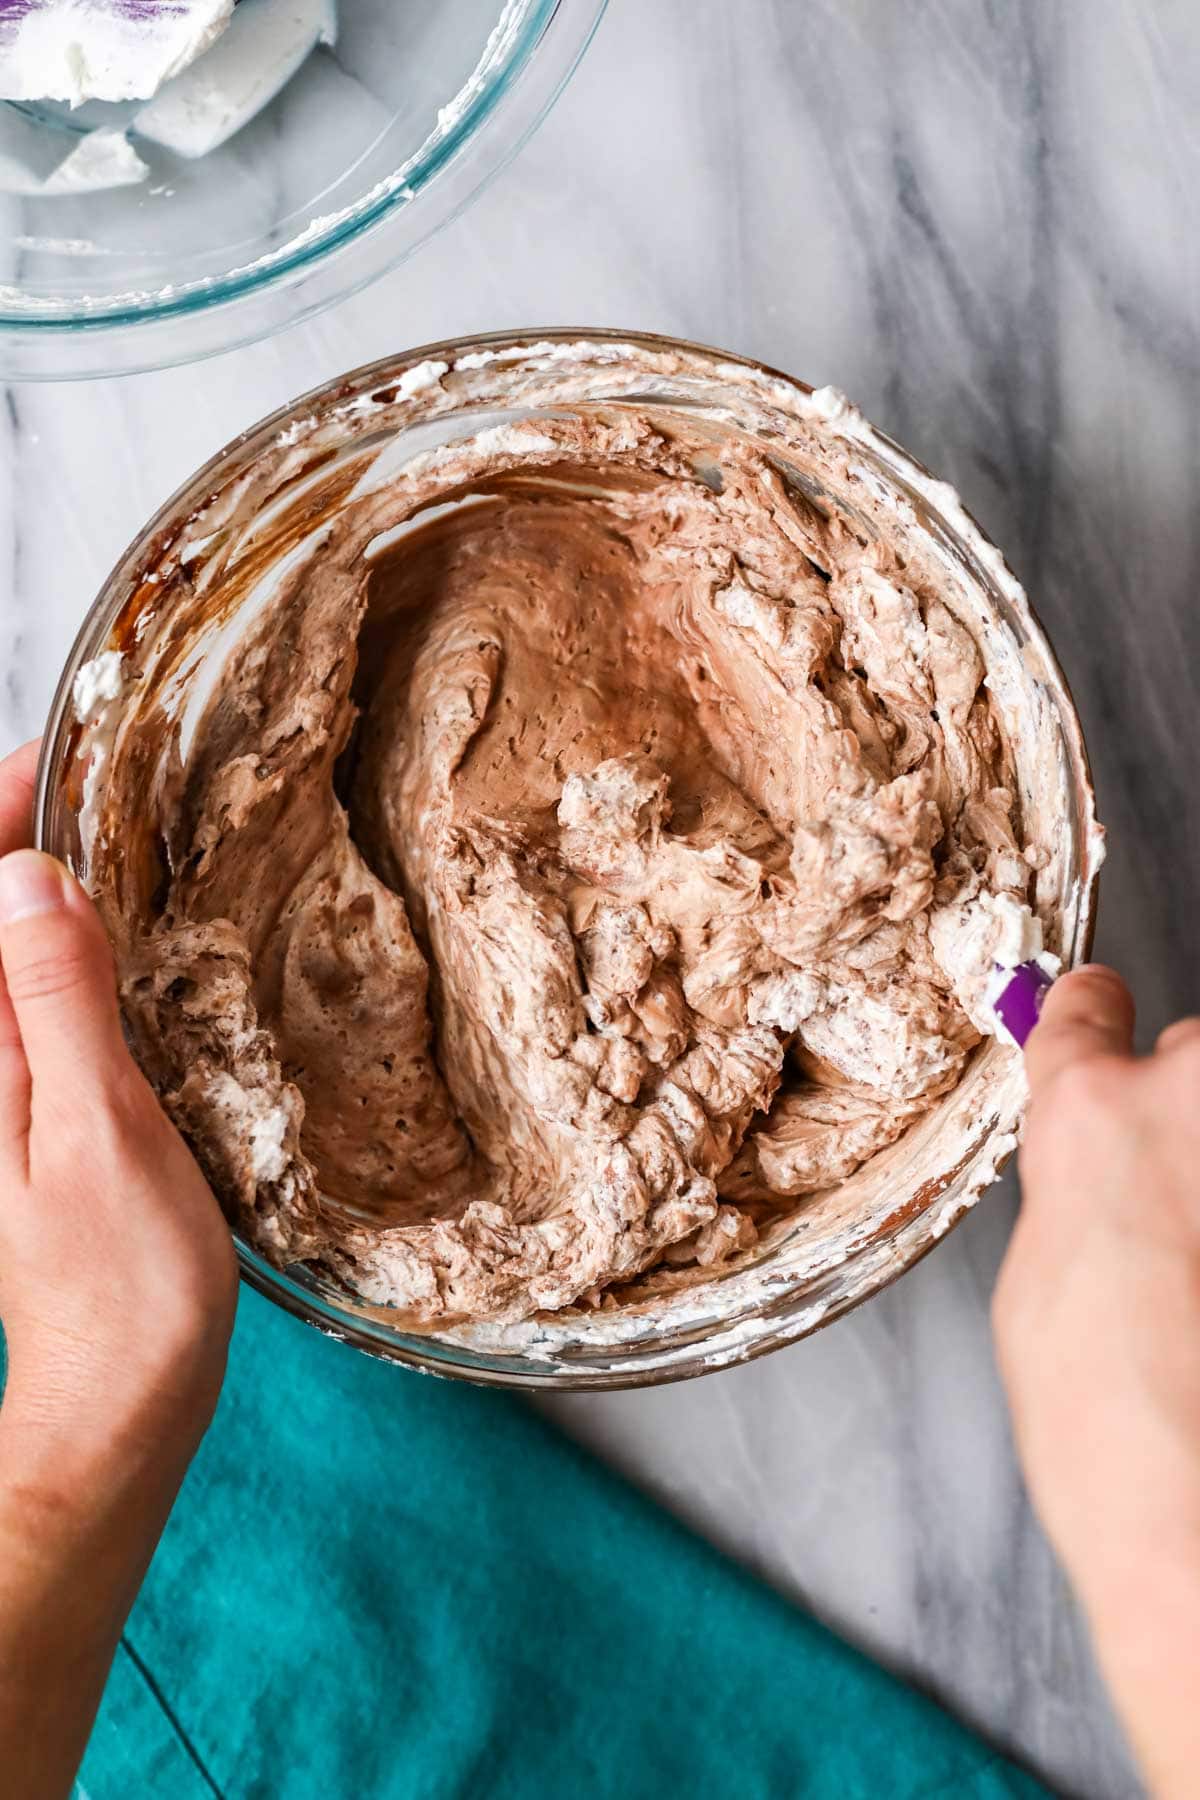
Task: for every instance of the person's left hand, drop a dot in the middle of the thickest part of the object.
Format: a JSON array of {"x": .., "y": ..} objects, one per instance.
[
  {"x": 117, "y": 1274},
  {"x": 117, "y": 1292}
]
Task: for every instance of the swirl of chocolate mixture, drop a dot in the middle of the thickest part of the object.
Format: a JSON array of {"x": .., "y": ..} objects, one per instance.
[{"x": 574, "y": 880}]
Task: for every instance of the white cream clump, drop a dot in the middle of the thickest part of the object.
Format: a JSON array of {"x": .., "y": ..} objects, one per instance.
[
  {"x": 971, "y": 939},
  {"x": 785, "y": 1000},
  {"x": 495, "y": 440},
  {"x": 96, "y": 683},
  {"x": 513, "y": 440},
  {"x": 268, "y": 1159},
  {"x": 264, "y": 46},
  {"x": 421, "y": 376},
  {"x": 77, "y": 50},
  {"x": 254, "y": 1121},
  {"x": 98, "y": 686},
  {"x": 101, "y": 159}
]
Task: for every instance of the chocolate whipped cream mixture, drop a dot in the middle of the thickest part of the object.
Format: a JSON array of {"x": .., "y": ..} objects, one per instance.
[{"x": 569, "y": 884}]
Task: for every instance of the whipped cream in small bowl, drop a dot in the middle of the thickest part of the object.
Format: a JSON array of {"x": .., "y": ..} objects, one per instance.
[
  {"x": 558, "y": 801},
  {"x": 183, "y": 178}
]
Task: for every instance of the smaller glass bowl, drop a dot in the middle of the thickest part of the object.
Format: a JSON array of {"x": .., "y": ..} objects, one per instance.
[
  {"x": 376, "y": 142},
  {"x": 289, "y": 474}
]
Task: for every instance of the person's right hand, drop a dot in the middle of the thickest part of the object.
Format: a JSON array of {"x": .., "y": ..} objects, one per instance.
[{"x": 1097, "y": 1320}]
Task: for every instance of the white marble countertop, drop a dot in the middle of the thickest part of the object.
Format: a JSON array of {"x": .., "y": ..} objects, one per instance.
[{"x": 983, "y": 222}]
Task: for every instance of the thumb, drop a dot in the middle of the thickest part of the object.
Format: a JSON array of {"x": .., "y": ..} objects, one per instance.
[
  {"x": 1087, "y": 1013},
  {"x": 58, "y": 970}
]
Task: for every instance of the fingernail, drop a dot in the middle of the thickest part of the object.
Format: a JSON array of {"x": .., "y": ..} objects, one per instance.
[{"x": 30, "y": 883}]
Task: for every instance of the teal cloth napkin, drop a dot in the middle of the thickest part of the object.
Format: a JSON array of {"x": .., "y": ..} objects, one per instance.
[{"x": 381, "y": 1587}]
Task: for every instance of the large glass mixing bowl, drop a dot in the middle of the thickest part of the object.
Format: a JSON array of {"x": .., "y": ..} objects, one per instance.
[
  {"x": 378, "y": 140},
  {"x": 177, "y": 603}
]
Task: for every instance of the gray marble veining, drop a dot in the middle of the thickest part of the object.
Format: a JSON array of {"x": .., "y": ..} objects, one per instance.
[{"x": 982, "y": 219}]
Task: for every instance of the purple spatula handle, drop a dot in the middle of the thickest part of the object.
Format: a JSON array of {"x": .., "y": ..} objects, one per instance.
[{"x": 1019, "y": 1001}]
